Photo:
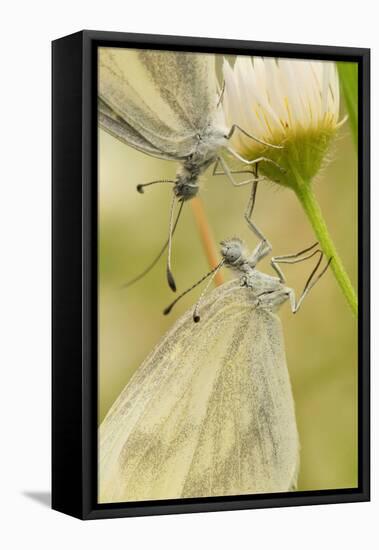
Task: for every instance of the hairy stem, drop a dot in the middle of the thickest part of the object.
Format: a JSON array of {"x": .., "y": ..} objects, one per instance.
[{"x": 312, "y": 209}]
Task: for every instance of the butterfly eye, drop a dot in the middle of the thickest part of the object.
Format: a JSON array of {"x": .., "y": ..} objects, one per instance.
[
  {"x": 234, "y": 255},
  {"x": 231, "y": 253}
]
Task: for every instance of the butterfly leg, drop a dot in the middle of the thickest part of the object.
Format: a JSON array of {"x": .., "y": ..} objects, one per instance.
[
  {"x": 292, "y": 259},
  {"x": 235, "y": 127},
  {"x": 250, "y": 206},
  {"x": 264, "y": 246},
  {"x": 254, "y": 161},
  {"x": 226, "y": 171},
  {"x": 311, "y": 281}
]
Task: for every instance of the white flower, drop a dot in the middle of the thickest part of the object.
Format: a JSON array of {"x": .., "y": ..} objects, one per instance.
[{"x": 293, "y": 103}]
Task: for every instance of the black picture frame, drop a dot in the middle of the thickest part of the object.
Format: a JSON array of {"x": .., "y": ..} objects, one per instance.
[{"x": 74, "y": 272}]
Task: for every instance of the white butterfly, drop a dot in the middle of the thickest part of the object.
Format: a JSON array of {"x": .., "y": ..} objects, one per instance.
[
  {"x": 166, "y": 104},
  {"x": 210, "y": 412}
]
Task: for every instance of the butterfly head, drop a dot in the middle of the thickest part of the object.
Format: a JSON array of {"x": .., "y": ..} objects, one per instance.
[
  {"x": 186, "y": 184},
  {"x": 185, "y": 190},
  {"x": 232, "y": 252}
]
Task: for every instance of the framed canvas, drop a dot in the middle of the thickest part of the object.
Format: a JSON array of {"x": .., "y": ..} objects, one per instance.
[{"x": 190, "y": 375}]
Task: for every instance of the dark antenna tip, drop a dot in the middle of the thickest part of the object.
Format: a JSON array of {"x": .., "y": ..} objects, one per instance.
[
  {"x": 140, "y": 188},
  {"x": 168, "y": 309},
  {"x": 171, "y": 280},
  {"x": 196, "y": 316}
]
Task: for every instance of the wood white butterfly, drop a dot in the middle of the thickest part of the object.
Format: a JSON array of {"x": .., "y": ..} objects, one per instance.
[
  {"x": 210, "y": 411},
  {"x": 166, "y": 104}
]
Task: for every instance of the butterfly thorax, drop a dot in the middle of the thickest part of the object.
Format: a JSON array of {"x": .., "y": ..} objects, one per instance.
[
  {"x": 260, "y": 282},
  {"x": 204, "y": 154},
  {"x": 268, "y": 292},
  {"x": 209, "y": 141}
]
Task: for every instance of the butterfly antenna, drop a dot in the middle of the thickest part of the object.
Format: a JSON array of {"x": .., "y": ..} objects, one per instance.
[
  {"x": 196, "y": 316},
  {"x": 157, "y": 258},
  {"x": 213, "y": 272},
  {"x": 170, "y": 277},
  {"x": 141, "y": 186}
]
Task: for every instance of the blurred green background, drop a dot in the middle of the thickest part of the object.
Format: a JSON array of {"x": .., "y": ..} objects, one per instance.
[{"x": 321, "y": 339}]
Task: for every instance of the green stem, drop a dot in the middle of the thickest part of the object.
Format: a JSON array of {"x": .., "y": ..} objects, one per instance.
[{"x": 311, "y": 207}]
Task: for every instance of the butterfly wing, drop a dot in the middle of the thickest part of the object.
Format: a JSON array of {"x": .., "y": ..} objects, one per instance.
[
  {"x": 187, "y": 84},
  {"x": 249, "y": 440},
  {"x": 121, "y": 130},
  {"x": 204, "y": 415},
  {"x": 127, "y": 88}
]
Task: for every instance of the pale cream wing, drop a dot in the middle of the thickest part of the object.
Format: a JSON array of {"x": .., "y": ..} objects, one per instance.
[
  {"x": 121, "y": 130},
  {"x": 187, "y": 83},
  {"x": 249, "y": 440},
  {"x": 150, "y": 386},
  {"x": 126, "y": 88},
  {"x": 194, "y": 421}
]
